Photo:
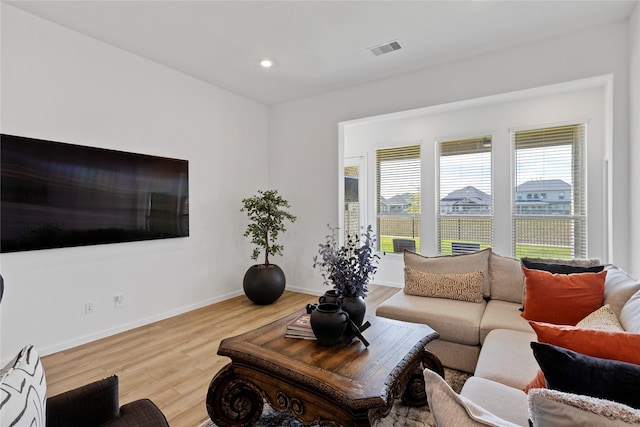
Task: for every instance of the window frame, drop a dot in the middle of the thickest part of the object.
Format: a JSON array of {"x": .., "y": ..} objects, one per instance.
[
  {"x": 468, "y": 141},
  {"x": 580, "y": 247}
]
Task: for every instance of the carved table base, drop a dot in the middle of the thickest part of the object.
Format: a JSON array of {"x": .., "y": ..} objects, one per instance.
[
  {"x": 232, "y": 401},
  {"x": 351, "y": 385}
]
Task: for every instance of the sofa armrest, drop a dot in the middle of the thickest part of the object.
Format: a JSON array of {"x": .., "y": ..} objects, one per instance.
[
  {"x": 139, "y": 413},
  {"x": 90, "y": 405}
]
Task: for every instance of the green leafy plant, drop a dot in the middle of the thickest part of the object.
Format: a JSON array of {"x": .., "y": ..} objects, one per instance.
[
  {"x": 350, "y": 267},
  {"x": 266, "y": 211}
]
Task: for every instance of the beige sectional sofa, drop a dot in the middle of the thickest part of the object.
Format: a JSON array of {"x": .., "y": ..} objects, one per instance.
[{"x": 489, "y": 337}]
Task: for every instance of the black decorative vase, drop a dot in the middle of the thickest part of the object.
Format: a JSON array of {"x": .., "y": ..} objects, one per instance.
[
  {"x": 264, "y": 284},
  {"x": 356, "y": 308},
  {"x": 328, "y": 322}
]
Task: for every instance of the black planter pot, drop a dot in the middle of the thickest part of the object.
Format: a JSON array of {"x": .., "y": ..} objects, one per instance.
[{"x": 264, "y": 284}]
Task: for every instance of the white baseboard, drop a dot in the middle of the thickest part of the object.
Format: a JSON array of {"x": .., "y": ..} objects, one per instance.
[{"x": 130, "y": 325}]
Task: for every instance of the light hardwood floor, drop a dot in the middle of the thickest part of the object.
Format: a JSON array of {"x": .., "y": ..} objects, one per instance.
[{"x": 172, "y": 361}]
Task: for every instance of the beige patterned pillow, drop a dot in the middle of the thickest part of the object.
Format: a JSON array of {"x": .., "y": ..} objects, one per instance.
[
  {"x": 465, "y": 263},
  {"x": 603, "y": 319},
  {"x": 457, "y": 286}
]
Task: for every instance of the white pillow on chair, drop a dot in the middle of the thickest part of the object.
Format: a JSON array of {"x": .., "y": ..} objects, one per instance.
[
  {"x": 23, "y": 391},
  {"x": 449, "y": 409}
]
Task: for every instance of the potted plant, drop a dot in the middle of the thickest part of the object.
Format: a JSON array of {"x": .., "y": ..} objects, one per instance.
[
  {"x": 349, "y": 268},
  {"x": 264, "y": 283}
]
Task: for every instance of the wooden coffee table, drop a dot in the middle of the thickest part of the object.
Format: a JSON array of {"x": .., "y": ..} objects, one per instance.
[{"x": 345, "y": 385}]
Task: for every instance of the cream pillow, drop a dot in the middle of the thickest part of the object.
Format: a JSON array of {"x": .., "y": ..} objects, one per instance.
[
  {"x": 603, "y": 319},
  {"x": 449, "y": 409},
  {"x": 507, "y": 278},
  {"x": 457, "y": 286},
  {"x": 552, "y": 408}
]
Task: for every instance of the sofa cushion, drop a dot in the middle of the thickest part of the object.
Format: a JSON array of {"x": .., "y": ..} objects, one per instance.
[
  {"x": 507, "y": 279},
  {"x": 502, "y": 315},
  {"x": 23, "y": 390},
  {"x": 622, "y": 346},
  {"x": 465, "y": 263},
  {"x": 458, "y": 286},
  {"x": 506, "y": 357},
  {"x": 552, "y": 408},
  {"x": 572, "y": 372},
  {"x": 618, "y": 288},
  {"x": 603, "y": 319},
  {"x": 452, "y": 410},
  {"x": 630, "y": 314},
  {"x": 560, "y": 268},
  {"x": 457, "y": 321},
  {"x": 504, "y": 401},
  {"x": 561, "y": 298}
]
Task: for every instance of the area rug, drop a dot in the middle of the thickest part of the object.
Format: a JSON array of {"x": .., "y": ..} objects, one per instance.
[{"x": 400, "y": 415}]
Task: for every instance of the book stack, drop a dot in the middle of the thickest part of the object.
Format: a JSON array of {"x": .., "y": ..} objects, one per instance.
[{"x": 300, "y": 328}]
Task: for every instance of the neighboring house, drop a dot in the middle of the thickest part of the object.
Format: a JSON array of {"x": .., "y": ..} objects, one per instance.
[
  {"x": 543, "y": 196},
  {"x": 466, "y": 201},
  {"x": 396, "y": 205}
]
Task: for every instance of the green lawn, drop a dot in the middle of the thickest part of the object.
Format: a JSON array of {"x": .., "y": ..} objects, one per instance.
[{"x": 522, "y": 251}]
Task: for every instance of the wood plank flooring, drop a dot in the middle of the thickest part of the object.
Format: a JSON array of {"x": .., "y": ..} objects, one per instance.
[{"x": 172, "y": 361}]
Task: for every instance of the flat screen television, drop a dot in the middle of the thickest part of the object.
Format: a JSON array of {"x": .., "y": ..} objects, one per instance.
[{"x": 56, "y": 195}]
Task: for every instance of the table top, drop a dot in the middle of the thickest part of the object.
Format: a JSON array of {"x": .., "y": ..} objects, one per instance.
[{"x": 351, "y": 371}]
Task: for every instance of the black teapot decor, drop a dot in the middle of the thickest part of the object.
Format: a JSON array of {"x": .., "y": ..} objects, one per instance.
[
  {"x": 329, "y": 322},
  {"x": 332, "y": 325}
]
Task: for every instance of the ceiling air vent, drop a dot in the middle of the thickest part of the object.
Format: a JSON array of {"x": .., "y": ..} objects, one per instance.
[{"x": 385, "y": 48}]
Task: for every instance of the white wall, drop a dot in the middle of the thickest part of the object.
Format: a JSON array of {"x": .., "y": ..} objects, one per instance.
[
  {"x": 497, "y": 117},
  {"x": 303, "y": 134},
  {"x": 634, "y": 110},
  {"x": 62, "y": 86}
]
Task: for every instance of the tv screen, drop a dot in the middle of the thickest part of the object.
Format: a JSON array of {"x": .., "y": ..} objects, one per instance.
[{"x": 56, "y": 195}]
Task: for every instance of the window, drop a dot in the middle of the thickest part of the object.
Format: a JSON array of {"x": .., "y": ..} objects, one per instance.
[
  {"x": 550, "y": 160},
  {"x": 398, "y": 198},
  {"x": 465, "y": 208}
]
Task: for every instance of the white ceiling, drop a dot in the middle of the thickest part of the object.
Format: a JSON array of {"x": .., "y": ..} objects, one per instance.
[{"x": 316, "y": 46}]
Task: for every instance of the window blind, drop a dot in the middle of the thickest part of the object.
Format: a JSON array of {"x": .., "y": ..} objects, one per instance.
[
  {"x": 549, "y": 204},
  {"x": 398, "y": 198},
  {"x": 465, "y": 207}
]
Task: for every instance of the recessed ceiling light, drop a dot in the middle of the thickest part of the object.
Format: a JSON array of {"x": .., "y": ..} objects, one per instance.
[{"x": 265, "y": 63}]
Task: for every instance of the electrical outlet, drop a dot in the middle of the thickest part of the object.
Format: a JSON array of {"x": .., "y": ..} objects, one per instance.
[
  {"x": 88, "y": 308},
  {"x": 119, "y": 301}
]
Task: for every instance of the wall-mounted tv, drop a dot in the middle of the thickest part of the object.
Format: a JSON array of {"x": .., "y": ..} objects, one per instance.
[{"x": 56, "y": 195}]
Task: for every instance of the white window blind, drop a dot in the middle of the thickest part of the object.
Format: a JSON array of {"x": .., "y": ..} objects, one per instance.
[
  {"x": 549, "y": 205},
  {"x": 465, "y": 207},
  {"x": 398, "y": 198}
]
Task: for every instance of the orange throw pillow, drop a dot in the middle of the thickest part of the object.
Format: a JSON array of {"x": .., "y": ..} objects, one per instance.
[
  {"x": 563, "y": 299},
  {"x": 537, "y": 382},
  {"x": 615, "y": 345}
]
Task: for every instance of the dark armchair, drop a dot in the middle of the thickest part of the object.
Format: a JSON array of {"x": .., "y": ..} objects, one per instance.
[
  {"x": 92, "y": 405},
  {"x": 97, "y": 404}
]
